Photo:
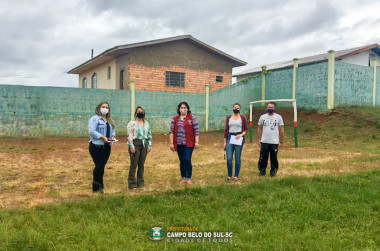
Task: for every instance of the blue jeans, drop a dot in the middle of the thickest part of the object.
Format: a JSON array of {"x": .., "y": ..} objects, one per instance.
[
  {"x": 230, "y": 149},
  {"x": 184, "y": 155}
]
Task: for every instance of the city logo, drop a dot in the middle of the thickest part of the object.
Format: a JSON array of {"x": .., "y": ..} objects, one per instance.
[{"x": 156, "y": 234}]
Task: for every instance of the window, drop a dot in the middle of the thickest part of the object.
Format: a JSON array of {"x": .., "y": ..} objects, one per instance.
[
  {"x": 175, "y": 79},
  {"x": 109, "y": 72},
  {"x": 219, "y": 79},
  {"x": 84, "y": 82},
  {"x": 94, "y": 81},
  {"x": 122, "y": 79}
]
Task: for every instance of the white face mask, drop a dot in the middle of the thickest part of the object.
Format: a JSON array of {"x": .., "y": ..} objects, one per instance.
[
  {"x": 183, "y": 111},
  {"x": 104, "y": 111}
]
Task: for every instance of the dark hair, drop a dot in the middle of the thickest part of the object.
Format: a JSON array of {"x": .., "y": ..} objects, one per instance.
[
  {"x": 183, "y": 103},
  {"x": 273, "y": 103},
  {"x": 140, "y": 107},
  {"x": 237, "y": 104},
  {"x": 108, "y": 116}
]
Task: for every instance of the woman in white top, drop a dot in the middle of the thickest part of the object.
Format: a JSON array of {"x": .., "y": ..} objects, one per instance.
[{"x": 235, "y": 127}]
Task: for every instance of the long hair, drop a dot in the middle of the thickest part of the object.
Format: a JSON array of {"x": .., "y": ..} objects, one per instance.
[
  {"x": 183, "y": 103},
  {"x": 108, "y": 116},
  {"x": 140, "y": 107}
]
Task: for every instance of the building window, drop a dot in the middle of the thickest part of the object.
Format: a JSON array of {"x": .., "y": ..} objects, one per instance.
[
  {"x": 109, "y": 72},
  {"x": 175, "y": 79},
  {"x": 219, "y": 79},
  {"x": 94, "y": 81},
  {"x": 84, "y": 83},
  {"x": 122, "y": 79}
]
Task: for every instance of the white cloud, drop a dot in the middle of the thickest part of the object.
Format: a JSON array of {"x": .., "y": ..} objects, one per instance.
[{"x": 42, "y": 40}]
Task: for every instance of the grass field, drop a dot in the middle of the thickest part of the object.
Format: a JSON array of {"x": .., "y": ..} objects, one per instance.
[{"x": 326, "y": 195}]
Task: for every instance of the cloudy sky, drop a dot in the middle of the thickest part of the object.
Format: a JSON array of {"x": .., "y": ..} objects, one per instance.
[{"x": 41, "y": 40}]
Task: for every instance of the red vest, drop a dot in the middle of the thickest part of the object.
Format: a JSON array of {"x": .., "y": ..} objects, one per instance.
[{"x": 189, "y": 131}]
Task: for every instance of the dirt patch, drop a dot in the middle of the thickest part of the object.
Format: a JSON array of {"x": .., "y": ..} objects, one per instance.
[{"x": 58, "y": 169}]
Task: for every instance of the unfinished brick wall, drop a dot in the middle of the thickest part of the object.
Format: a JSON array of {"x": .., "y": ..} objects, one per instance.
[{"x": 153, "y": 79}]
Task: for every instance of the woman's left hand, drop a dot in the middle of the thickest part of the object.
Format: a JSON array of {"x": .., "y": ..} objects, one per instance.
[
  {"x": 239, "y": 136},
  {"x": 149, "y": 149},
  {"x": 113, "y": 137},
  {"x": 196, "y": 145}
]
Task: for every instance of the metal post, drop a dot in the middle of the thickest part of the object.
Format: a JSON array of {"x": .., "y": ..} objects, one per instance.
[
  {"x": 374, "y": 65},
  {"x": 250, "y": 122},
  {"x": 295, "y": 124},
  {"x": 207, "y": 104},
  {"x": 133, "y": 91},
  {"x": 263, "y": 73},
  {"x": 330, "y": 80},
  {"x": 295, "y": 65}
]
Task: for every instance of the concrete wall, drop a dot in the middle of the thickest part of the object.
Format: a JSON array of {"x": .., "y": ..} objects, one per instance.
[
  {"x": 279, "y": 85},
  {"x": 311, "y": 90},
  {"x": 161, "y": 107},
  {"x": 221, "y": 101},
  {"x": 44, "y": 111},
  {"x": 353, "y": 84},
  {"x": 101, "y": 72}
]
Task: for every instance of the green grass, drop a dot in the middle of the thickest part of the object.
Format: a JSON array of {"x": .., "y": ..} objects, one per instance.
[
  {"x": 349, "y": 128},
  {"x": 324, "y": 213}
]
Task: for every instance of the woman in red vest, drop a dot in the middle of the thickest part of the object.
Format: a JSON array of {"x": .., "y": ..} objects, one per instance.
[{"x": 184, "y": 137}]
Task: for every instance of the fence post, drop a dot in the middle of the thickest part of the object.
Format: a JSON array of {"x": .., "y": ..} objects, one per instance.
[
  {"x": 330, "y": 80},
  {"x": 374, "y": 65},
  {"x": 207, "y": 104},
  {"x": 263, "y": 73},
  {"x": 295, "y": 65},
  {"x": 133, "y": 92}
]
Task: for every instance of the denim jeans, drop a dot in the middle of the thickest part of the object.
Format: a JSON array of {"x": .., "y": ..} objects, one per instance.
[
  {"x": 230, "y": 149},
  {"x": 184, "y": 155}
]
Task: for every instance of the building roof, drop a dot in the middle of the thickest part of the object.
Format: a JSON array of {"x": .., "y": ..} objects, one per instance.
[
  {"x": 310, "y": 60},
  {"x": 123, "y": 49}
]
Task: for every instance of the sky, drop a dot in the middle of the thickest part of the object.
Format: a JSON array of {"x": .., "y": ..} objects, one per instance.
[{"x": 42, "y": 40}]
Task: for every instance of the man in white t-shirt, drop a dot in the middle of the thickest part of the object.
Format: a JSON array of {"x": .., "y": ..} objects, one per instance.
[{"x": 270, "y": 134}]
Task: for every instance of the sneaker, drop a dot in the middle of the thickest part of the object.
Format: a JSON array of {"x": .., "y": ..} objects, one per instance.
[
  {"x": 235, "y": 178},
  {"x": 189, "y": 182},
  {"x": 228, "y": 178},
  {"x": 182, "y": 182}
]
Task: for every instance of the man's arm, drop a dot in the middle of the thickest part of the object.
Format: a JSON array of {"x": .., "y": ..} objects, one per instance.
[
  {"x": 259, "y": 132},
  {"x": 282, "y": 133}
]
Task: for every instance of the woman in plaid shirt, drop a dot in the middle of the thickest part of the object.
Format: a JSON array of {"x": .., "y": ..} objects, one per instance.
[{"x": 184, "y": 137}]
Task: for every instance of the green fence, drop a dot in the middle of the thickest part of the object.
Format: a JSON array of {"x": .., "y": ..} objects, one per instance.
[{"x": 47, "y": 111}]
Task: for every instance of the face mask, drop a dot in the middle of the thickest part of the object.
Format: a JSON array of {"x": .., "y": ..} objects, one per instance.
[
  {"x": 183, "y": 111},
  {"x": 104, "y": 111},
  {"x": 270, "y": 111},
  {"x": 140, "y": 115},
  {"x": 236, "y": 111}
]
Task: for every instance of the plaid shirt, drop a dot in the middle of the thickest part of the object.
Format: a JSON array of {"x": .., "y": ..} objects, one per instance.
[{"x": 181, "y": 137}]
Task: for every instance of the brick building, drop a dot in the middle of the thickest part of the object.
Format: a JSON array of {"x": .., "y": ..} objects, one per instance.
[{"x": 175, "y": 64}]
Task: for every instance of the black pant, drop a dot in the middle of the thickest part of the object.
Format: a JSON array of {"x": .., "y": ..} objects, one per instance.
[
  {"x": 100, "y": 155},
  {"x": 266, "y": 150},
  {"x": 137, "y": 159}
]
